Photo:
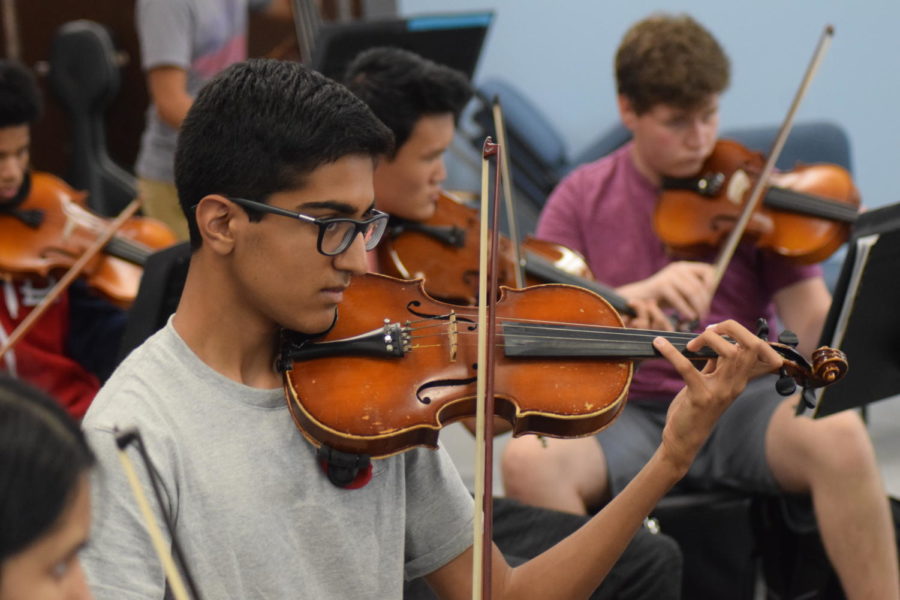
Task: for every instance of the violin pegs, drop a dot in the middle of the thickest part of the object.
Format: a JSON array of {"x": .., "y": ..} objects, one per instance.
[
  {"x": 762, "y": 328},
  {"x": 807, "y": 398},
  {"x": 788, "y": 338},
  {"x": 785, "y": 384}
]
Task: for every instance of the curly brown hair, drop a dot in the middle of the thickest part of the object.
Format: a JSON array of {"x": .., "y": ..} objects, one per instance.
[{"x": 672, "y": 60}]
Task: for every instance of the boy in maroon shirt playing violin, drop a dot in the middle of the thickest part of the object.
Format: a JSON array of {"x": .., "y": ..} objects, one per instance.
[{"x": 670, "y": 72}]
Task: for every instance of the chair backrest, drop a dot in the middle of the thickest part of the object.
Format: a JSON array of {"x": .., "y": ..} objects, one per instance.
[
  {"x": 84, "y": 75},
  {"x": 537, "y": 153},
  {"x": 612, "y": 139},
  {"x": 161, "y": 284},
  {"x": 808, "y": 142}
]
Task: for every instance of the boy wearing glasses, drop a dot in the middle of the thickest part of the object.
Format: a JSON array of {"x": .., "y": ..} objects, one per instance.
[{"x": 254, "y": 513}]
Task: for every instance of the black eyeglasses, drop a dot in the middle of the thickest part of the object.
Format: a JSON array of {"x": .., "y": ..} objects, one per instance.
[{"x": 336, "y": 234}]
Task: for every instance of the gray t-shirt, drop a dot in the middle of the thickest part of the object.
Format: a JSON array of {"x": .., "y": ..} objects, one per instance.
[
  {"x": 200, "y": 36},
  {"x": 253, "y": 511}
]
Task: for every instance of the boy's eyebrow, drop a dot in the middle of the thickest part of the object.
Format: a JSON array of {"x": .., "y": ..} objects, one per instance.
[{"x": 342, "y": 208}]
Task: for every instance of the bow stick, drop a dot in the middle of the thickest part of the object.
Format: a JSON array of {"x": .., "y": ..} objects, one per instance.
[
  {"x": 306, "y": 24},
  {"x": 70, "y": 275},
  {"x": 484, "y": 419},
  {"x": 503, "y": 162},
  {"x": 176, "y": 583},
  {"x": 734, "y": 237}
]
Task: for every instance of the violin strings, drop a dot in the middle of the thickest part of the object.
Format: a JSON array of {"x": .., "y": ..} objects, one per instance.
[
  {"x": 605, "y": 329},
  {"x": 587, "y": 335},
  {"x": 604, "y": 332},
  {"x": 621, "y": 332}
]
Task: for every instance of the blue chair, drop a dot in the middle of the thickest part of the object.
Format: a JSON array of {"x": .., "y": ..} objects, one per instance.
[{"x": 538, "y": 155}]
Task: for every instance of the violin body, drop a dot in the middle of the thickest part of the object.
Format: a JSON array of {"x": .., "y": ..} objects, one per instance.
[
  {"x": 562, "y": 258},
  {"x": 444, "y": 252},
  {"x": 805, "y": 214},
  {"x": 66, "y": 230},
  {"x": 397, "y": 365},
  {"x": 397, "y": 403}
]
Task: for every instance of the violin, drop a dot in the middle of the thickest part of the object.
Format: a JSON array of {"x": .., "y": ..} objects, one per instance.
[
  {"x": 805, "y": 214},
  {"x": 444, "y": 251},
  {"x": 51, "y": 228},
  {"x": 563, "y": 370}
]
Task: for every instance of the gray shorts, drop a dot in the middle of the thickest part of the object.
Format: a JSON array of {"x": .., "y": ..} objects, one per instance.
[{"x": 733, "y": 457}]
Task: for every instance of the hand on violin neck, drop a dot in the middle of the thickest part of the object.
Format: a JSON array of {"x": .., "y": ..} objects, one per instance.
[
  {"x": 710, "y": 391},
  {"x": 649, "y": 315},
  {"x": 685, "y": 286}
]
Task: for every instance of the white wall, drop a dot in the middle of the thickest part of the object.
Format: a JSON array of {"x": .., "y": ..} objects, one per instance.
[{"x": 560, "y": 54}]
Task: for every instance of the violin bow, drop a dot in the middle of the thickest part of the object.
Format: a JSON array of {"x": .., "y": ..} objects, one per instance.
[
  {"x": 503, "y": 163},
  {"x": 70, "y": 275},
  {"x": 731, "y": 243},
  {"x": 618, "y": 302},
  {"x": 11, "y": 30},
  {"x": 488, "y": 279},
  {"x": 173, "y": 576},
  {"x": 306, "y": 25}
]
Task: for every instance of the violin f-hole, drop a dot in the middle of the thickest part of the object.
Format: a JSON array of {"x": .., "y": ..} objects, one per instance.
[{"x": 424, "y": 399}]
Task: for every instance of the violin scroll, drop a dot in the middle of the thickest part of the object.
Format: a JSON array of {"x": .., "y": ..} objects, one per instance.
[{"x": 828, "y": 365}]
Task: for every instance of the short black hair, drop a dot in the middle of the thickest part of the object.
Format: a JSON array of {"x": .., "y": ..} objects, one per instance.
[
  {"x": 43, "y": 455},
  {"x": 20, "y": 100},
  {"x": 261, "y": 126},
  {"x": 401, "y": 87}
]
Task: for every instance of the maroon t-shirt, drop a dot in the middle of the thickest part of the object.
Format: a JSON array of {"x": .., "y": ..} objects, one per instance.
[{"x": 605, "y": 211}]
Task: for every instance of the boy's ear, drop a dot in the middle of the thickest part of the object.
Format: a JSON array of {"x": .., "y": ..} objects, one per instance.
[
  {"x": 626, "y": 112},
  {"x": 217, "y": 218}
]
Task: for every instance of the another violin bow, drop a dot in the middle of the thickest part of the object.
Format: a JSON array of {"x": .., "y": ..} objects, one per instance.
[
  {"x": 731, "y": 243},
  {"x": 176, "y": 583},
  {"x": 524, "y": 263},
  {"x": 488, "y": 282},
  {"x": 11, "y": 30},
  {"x": 306, "y": 25},
  {"x": 503, "y": 164},
  {"x": 70, "y": 275}
]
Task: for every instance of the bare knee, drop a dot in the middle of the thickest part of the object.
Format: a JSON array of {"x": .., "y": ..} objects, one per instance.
[
  {"x": 826, "y": 450},
  {"x": 561, "y": 474},
  {"x": 844, "y": 447},
  {"x": 529, "y": 462}
]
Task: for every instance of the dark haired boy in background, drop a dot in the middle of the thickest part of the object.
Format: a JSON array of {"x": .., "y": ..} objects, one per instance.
[{"x": 73, "y": 346}]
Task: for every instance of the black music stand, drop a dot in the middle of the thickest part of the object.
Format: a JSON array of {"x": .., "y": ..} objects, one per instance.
[
  {"x": 454, "y": 40},
  {"x": 864, "y": 320}
]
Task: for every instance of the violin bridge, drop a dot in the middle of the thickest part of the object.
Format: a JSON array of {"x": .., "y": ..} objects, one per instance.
[
  {"x": 453, "y": 335},
  {"x": 738, "y": 187}
]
